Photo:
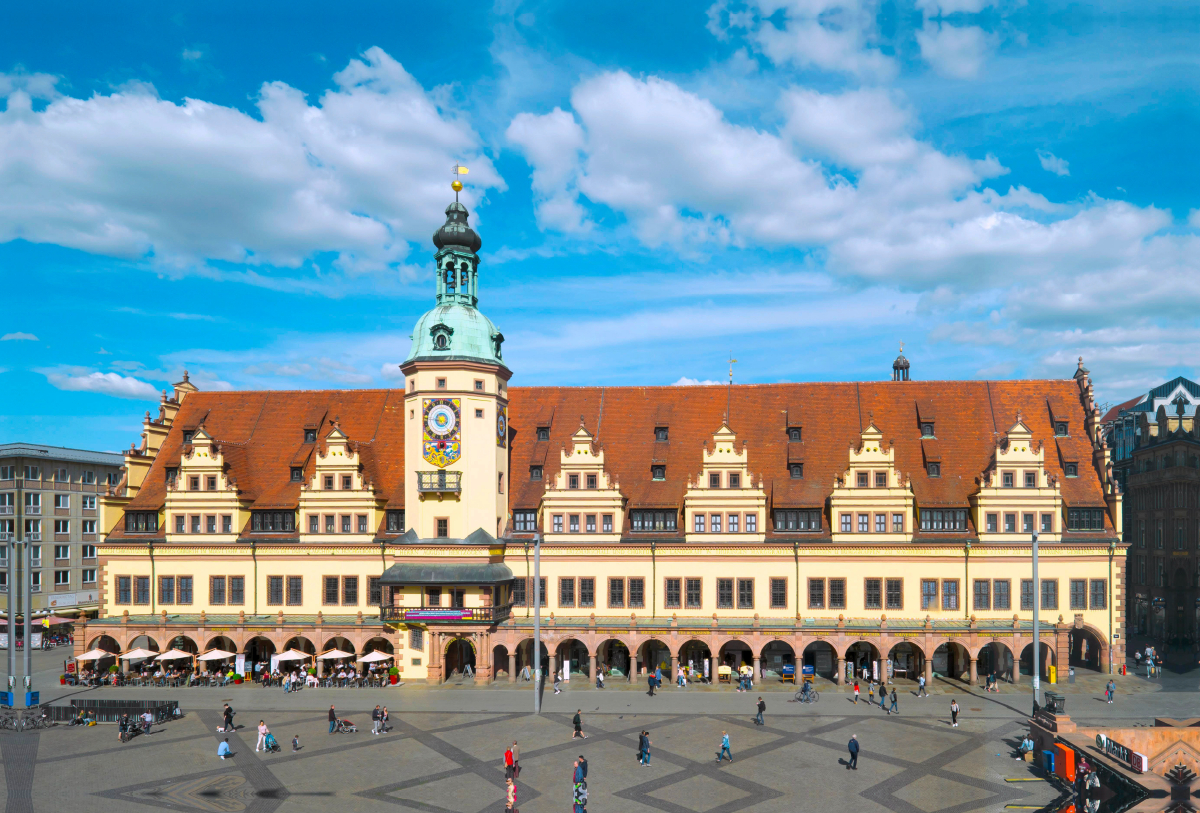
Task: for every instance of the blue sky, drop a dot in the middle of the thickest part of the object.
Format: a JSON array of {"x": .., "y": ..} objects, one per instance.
[{"x": 802, "y": 183}]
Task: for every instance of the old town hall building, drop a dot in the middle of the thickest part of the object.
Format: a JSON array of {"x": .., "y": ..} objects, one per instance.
[{"x": 881, "y": 524}]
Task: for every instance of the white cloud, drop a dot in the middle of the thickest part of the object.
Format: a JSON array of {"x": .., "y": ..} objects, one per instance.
[
  {"x": 103, "y": 352},
  {"x": 114, "y": 384},
  {"x": 956, "y": 51},
  {"x": 1052, "y": 163},
  {"x": 552, "y": 144},
  {"x": 18, "y": 337},
  {"x": 684, "y": 381},
  {"x": 361, "y": 172}
]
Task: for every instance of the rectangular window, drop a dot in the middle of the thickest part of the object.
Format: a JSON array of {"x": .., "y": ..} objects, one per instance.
[
  {"x": 62, "y": 500},
  {"x": 330, "y": 593},
  {"x": 1092, "y": 519},
  {"x": 62, "y": 526},
  {"x": 62, "y": 578},
  {"x": 1099, "y": 594},
  {"x": 89, "y": 503},
  {"x": 1027, "y": 594},
  {"x": 590, "y": 524},
  {"x": 314, "y": 524},
  {"x": 991, "y": 523},
  {"x": 895, "y": 594},
  {"x": 185, "y": 589},
  {"x": 734, "y": 523},
  {"x": 724, "y": 594},
  {"x": 837, "y": 594},
  {"x": 62, "y": 552},
  {"x": 374, "y": 591},
  {"x": 542, "y": 591},
  {"x": 863, "y": 479},
  {"x": 89, "y": 576},
  {"x": 433, "y": 597},
  {"x": 166, "y": 589},
  {"x": 637, "y": 593},
  {"x": 751, "y": 523},
  {"x": 607, "y": 523},
  {"x": 873, "y": 594},
  {"x": 88, "y": 551},
  {"x": 237, "y": 590},
  {"x": 587, "y": 592},
  {"x": 745, "y": 588},
  {"x": 698, "y": 523},
  {"x": 693, "y": 593},
  {"x": 983, "y": 595},
  {"x": 216, "y": 590},
  {"x": 846, "y": 523},
  {"x": 1027, "y": 523},
  {"x": 416, "y": 639},
  {"x": 1000, "y": 594},
  {"x": 295, "y": 590},
  {"x": 673, "y": 600},
  {"x": 1010, "y": 523},
  {"x": 715, "y": 523},
  {"x": 558, "y": 523},
  {"x": 518, "y": 593},
  {"x": 796, "y": 521},
  {"x": 443, "y": 528},
  {"x": 1078, "y": 594},
  {"x": 274, "y": 590},
  {"x": 566, "y": 592},
  {"x": 347, "y": 482},
  {"x": 524, "y": 521},
  {"x": 35, "y": 581},
  {"x": 1047, "y": 523},
  {"x": 142, "y": 590},
  {"x": 864, "y": 521},
  {"x": 1031, "y": 479},
  {"x": 123, "y": 589},
  {"x": 735, "y": 480},
  {"x": 897, "y": 523},
  {"x": 572, "y": 481},
  {"x": 949, "y": 594},
  {"x": 195, "y": 522},
  {"x": 345, "y": 523},
  {"x": 616, "y": 593},
  {"x": 211, "y": 484},
  {"x": 210, "y": 524},
  {"x": 816, "y": 594},
  {"x": 880, "y": 523},
  {"x": 714, "y": 480},
  {"x": 574, "y": 523},
  {"x": 362, "y": 523},
  {"x": 1007, "y": 480},
  {"x": 226, "y": 524},
  {"x": 1049, "y": 594},
  {"x": 779, "y": 594}
]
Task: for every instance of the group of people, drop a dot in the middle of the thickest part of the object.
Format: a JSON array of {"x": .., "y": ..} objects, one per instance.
[
  {"x": 1152, "y": 661},
  {"x": 889, "y": 704},
  {"x": 127, "y": 727}
]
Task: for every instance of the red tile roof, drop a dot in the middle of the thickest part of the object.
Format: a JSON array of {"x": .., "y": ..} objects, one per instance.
[{"x": 262, "y": 433}]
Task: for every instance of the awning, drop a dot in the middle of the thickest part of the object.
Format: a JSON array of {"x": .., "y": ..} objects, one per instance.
[
  {"x": 334, "y": 654},
  {"x": 483, "y": 573},
  {"x": 95, "y": 655},
  {"x": 293, "y": 655},
  {"x": 375, "y": 657},
  {"x": 173, "y": 655},
  {"x": 138, "y": 654},
  {"x": 52, "y": 620},
  {"x": 216, "y": 655}
]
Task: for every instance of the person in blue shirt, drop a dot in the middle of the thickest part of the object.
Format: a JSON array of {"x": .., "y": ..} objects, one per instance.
[
  {"x": 853, "y": 748},
  {"x": 724, "y": 752},
  {"x": 223, "y": 749}
]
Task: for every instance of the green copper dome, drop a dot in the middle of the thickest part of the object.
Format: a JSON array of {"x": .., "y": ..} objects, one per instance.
[{"x": 455, "y": 330}]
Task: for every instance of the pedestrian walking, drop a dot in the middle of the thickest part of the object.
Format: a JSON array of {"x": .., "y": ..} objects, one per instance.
[
  {"x": 584, "y": 766},
  {"x": 376, "y": 719},
  {"x": 724, "y": 752},
  {"x": 263, "y": 731},
  {"x": 870, "y": 692},
  {"x": 147, "y": 719},
  {"x": 510, "y": 796},
  {"x": 644, "y": 744},
  {"x": 895, "y": 703},
  {"x": 762, "y": 706},
  {"x": 856, "y": 692},
  {"x": 599, "y": 677},
  {"x": 578, "y": 790},
  {"x": 650, "y": 680},
  {"x": 383, "y": 721},
  {"x": 508, "y": 763},
  {"x": 516, "y": 760},
  {"x": 122, "y": 727},
  {"x": 332, "y": 719},
  {"x": 295, "y": 743},
  {"x": 921, "y": 687},
  {"x": 227, "y": 719},
  {"x": 557, "y": 682},
  {"x": 852, "y": 746},
  {"x": 954, "y": 713},
  {"x": 577, "y": 721},
  {"x": 223, "y": 749},
  {"x": 1110, "y": 690}
]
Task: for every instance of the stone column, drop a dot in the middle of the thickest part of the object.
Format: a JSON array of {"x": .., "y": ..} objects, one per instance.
[
  {"x": 592, "y": 667},
  {"x": 553, "y": 666},
  {"x": 974, "y": 674},
  {"x": 1016, "y": 670},
  {"x": 757, "y": 673},
  {"x": 928, "y": 673},
  {"x": 839, "y": 676},
  {"x": 675, "y": 668},
  {"x": 512, "y": 667}
]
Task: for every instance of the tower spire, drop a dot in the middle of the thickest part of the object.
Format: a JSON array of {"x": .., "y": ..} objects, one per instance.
[{"x": 729, "y": 391}]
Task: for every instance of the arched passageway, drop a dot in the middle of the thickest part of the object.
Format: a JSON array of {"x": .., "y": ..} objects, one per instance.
[
  {"x": 995, "y": 659},
  {"x": 525, "y": 659},
  {"x": 1084, "y": 649},
  {"x": 571, "y": 658},
  {"x": 460, "y": 653},
  {"x": 613, "y": 657},
  {"x": 735, "y": 654},
  {"x": 258, "y": 651},
  {"x": 696, "y": 658},
  {"x": 906, "y": 661},
  {"x": 1046, "y": 655},
  {"x": 952, "y": 660},
  {"x": 862, "y": 660},
  {"x": 654, "y": 654},
  {"x": 775, "y": 656},
  {"x": 822, "y": 657}
]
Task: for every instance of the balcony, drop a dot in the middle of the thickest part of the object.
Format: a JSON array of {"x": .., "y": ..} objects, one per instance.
[
  {"x": 439, "y": 481},
  {"x": 445, "y": 615},
  {"x": 6, "y": 510},
  {"x": 33, "y": 510},
  {"x": 33, "y": 536}
]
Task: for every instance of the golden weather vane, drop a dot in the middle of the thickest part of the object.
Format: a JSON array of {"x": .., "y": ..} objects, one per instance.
[
  {"x": 457, "y": 186},
  {"x": 729, "y": 392}
]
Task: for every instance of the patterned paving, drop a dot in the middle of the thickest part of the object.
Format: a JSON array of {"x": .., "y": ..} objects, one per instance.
[{"x": 438, "y": 762}]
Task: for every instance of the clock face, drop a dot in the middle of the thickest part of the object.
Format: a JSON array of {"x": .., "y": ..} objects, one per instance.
[
  {"x": 502, "y": 426},
  {"x": 441, "y": 420}
]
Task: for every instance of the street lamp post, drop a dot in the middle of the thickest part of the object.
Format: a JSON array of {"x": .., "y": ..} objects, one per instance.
[
  {"x": 537, "y": 623},
  {"x": 1036, "y": 645}
]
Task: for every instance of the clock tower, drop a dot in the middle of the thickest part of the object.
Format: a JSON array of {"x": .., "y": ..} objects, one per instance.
[{"x": 456, "y": 402}]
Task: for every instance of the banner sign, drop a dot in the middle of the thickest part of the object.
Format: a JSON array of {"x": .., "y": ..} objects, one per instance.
[
  {"x": 1137, "y": 762},
  {"x": 448, "y": 614}
]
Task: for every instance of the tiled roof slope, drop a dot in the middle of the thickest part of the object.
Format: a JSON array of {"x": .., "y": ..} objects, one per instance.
[{"x": 261, "y": 434}]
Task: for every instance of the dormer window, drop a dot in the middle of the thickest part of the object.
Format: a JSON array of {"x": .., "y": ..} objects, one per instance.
[
  {"x": 172, "y": 474},
  {"x": 735, "y": 480},
  {"x": 441, "y": 336},
  {"x": 1031, "y": 479},
  {"x": 714, "y": 480},
  {"x": 1007, "y": 479},
  {"x": 1060, "y": 429},
  {"x": 881, "y": 479},
  {"x": 1071, "y": 469},
  {"x": 328, "y": 483},
  {"x": 210, "y": 483},
  {"x": 535, "y": 472},
  {"x": 927, "y": 430},
  {"x": 658, "y": 472},
  {"x": 187, "y": 436},
  {"x": 347, "y": 482},
  {"x": 310, "y": 435},
  {"x": 297, "y": 474},
  {"x": 572, "y": 481},
  {"x": 796, "y": 470},
  {"x": 794, "y": 434},
  {"x": 591, "y": 481},
  {"x": 661, "y": 433},
  {"x": 933, "y": 469},
  {"x": 863, "y": 480},
  {"x": 193, "y": 483},
  {"x": 543, "y": 433}
]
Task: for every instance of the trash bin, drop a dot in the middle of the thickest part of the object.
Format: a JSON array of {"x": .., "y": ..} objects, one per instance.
[
  {"x": 1048, "y": 761},
  {"x": 1070, "y": 674}
]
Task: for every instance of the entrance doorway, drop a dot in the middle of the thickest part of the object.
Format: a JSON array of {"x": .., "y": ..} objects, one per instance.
[{"x": 460, "y": 654}]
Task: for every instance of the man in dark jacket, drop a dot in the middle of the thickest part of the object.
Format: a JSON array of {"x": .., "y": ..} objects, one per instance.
[
  {"x": 228, "y": 719},
  {"x": 583, "y": 765},
  {"x": 853, "y": 746},
  {"x": 376, "y": 716},
  {"x": 762, "y": 706},
  {"x": 332, "y": 719},
  {"x": 650, "y": 680}
]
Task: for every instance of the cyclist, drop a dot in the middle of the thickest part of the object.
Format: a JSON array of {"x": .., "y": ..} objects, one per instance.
[{"x": 806, "y": 692}]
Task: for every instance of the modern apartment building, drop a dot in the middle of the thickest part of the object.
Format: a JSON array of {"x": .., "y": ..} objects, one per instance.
[{"x": 48, "y": 497}]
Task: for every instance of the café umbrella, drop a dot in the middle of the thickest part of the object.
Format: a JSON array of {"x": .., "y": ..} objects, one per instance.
[
  {"x": 215, "y": 655},
  {"x": 334, "y": 654},
  {"x": 375, "y": 657},
  {"x": 95, "y": 655},
  {"x": 293, "y": 655},
  {"x": 173, "y": 655},
  {"x": 138, "y": 654}
]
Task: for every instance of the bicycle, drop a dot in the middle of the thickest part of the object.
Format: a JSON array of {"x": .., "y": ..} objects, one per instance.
[{"x": 811, "y": 696}]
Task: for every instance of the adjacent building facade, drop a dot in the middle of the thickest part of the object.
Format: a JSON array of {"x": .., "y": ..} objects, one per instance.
[
  {"x": 49, "y": 498},
  {"x": 1155, "y": 443},
  {"x": 882, "y": 524}
]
